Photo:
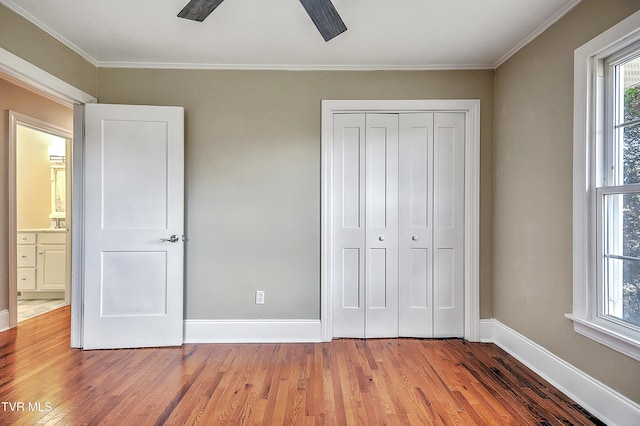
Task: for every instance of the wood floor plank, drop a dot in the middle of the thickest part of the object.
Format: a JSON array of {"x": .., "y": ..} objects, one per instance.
[{"x": 344, "y": 382}]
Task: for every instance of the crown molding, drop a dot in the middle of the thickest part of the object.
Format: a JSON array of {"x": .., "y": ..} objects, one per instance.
[
  {"x": 59, "y": 37},
  {"x": 293, "y": 67}
]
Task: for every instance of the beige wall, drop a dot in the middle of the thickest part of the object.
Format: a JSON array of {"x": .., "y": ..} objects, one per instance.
[
  {"x": 532, "y": 287},
  {"x": 253, "y": 175},
  {"x": 33, "y": 170},
  {"x": 25, "y": 102},
  {"x": 23, "y": 39}
]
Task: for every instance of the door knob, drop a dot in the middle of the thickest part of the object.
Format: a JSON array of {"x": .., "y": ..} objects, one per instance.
[
  {"x": 381, "y": 237},
  {"x": 414, "y": 238},
  {"x": 172, "y": 239}
]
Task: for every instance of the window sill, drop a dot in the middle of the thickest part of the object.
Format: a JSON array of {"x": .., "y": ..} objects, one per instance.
[{"x": 605, "y": 336}]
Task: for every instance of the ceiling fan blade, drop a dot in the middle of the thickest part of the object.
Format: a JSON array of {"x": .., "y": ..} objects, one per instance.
[
  {"x": 325, "y": 17},
  {"x": 198, "y": 10}
]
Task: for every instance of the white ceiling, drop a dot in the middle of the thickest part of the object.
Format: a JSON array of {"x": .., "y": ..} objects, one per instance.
[{"x": 278, "y": 34}]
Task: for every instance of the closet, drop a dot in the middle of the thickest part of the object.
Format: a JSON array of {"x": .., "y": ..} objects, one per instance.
[{"x": 398, "y": 224}]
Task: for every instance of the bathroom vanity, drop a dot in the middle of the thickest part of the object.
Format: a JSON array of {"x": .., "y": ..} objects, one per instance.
[{"x": 42, "y": 261}]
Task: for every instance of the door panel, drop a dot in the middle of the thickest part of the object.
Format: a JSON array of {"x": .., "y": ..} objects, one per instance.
[
  {"x": 381, "y": 282},
  {"x": 348, "y": 225},
  {"x": 139, "y": 275},
  {"x": 377, "y": 284},
  {"x": 134, "y": 184},
  {"x": 351, "y": 279},
  {"x": 445, "y": 177},
  {"x": 351, "y": 179},
  {"x": 416, "y": 232},
  {"x": 144, "y": 188},
  {"x": 376, "y": 175},
  {"x": 419, "y": 281},
  {"x": 445, "y": 278},
  {"x": 448, "y": 235}
]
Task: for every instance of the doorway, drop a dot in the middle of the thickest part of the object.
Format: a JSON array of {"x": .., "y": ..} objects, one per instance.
[
  {"x": 40, "y": 220},
  {"x": 39, "y": 81},
  {"x": 469, "y": 110}
]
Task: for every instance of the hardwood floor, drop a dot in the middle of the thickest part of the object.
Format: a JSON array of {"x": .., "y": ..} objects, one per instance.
[{"x": 352, "y": 382}]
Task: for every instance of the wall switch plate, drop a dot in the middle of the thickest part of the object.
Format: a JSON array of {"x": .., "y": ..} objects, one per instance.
[{"x": 259, "y": 297}]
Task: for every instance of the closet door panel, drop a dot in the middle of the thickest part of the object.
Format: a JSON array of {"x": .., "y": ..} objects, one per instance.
[
  {"x": 418, "y": 285},
  {"x": 381, "y": 288},
  {"x": 351, "y": 211},
  {"x": 448, "y": 220},
  {"x": 415, "y": 230},
  {"x": 348, "y": 225},
  {"x": 351, "y": 278}
]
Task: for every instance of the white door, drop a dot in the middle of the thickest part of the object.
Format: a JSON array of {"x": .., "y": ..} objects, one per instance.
[
  {"x": 398, "y": 218},
  {"x": 431, "y": 218},
  {"x": 133, "y": 226},
  {"x": 365, "y": 297},
  {"x": 448, "y": 224},
  {"x": 381, "y": 220},
  {"x": 415, "y": 222},
  {"x": 348, "y": 225}
]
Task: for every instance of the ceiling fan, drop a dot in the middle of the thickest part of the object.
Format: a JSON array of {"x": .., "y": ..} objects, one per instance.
[{"x": 322, "y": 13}]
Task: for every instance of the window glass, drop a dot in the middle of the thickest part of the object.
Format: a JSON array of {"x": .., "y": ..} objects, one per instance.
[
  {"x": 631, "y": 80},
  {"x": 621, "y": 210},
  {"x": 622, "y": 257},
  {"x": 627, "y": 123},
  {"x": 631, "y": 151}
]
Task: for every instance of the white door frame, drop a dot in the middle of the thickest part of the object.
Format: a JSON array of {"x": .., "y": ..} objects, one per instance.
[
  {"x": 471, "y": 108},
  {"x": 34, "y": 78}
]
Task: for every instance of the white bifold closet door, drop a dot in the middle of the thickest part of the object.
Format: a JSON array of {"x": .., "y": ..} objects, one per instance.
[
  {"x": 398, "y": 217},
  {"x": 366, "y": 225}
]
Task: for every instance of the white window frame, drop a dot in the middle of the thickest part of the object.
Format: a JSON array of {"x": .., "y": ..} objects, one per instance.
[{"x": 590, "y": 114}]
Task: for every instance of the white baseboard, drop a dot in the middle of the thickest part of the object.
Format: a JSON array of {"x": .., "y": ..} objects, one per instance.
[
  {"x": 600, "y": 400},
  {"x": 252, "y": 331},
  {"x": 4, "y": 320}
]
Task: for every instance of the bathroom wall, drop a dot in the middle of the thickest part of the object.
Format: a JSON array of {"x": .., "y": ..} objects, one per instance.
[{"x": 33, "y": 178}]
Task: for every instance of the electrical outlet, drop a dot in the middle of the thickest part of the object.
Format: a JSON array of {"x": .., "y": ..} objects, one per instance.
[{"x": 259, "y": 297}]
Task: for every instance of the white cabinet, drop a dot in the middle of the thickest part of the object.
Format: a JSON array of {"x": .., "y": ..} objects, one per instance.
[
  {"x": 51, "y": 266},
  {"x": 41, "y": 262},
  {"x": 26, "y": 261},
  {"x": 26, "y": 279}
]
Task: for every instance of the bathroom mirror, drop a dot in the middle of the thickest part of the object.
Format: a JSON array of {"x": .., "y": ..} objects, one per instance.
[{"x": 58, "y": 192}]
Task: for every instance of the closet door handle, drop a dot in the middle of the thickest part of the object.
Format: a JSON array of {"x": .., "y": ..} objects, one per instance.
[
  {"x": 381, "y": 237},
  {"x": 414, "y": 238}
]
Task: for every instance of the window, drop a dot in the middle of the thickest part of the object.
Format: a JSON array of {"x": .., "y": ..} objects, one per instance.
[
  {"x": 618, "y": 194},
  {"x": 606, "y": 266}
]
